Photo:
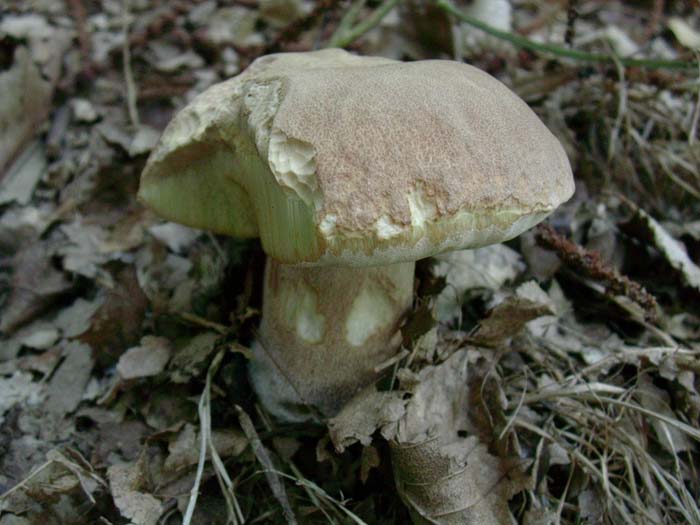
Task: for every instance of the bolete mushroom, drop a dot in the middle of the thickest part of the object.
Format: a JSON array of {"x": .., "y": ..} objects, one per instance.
[{"x": 350, "y": 169}]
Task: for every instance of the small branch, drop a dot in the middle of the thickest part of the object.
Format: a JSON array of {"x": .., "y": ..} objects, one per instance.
[
  {"x": 195, "y": 319},
  {"x": 657, "y": 14},
  {"x": 526, "y": 43},
  {"x": 263, "y": 457},
  {"x": 391, "y": 361},
  {"x": 571, "y": 17},
  {"x": 589, "y": 263},
  {"x": 77, "y": 10},
  {"x": 349, "y": 36},
  {"x": 131, "y": 94}
]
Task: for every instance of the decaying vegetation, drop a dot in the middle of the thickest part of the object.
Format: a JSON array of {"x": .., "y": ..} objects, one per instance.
[{"x": 550, "y": 380}]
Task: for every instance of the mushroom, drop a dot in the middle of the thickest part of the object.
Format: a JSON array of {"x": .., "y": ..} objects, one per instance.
[{"x": 350, "y": 169}]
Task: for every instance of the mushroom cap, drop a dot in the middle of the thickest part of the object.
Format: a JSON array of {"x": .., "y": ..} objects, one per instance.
[{"x": 342, "y": 160}]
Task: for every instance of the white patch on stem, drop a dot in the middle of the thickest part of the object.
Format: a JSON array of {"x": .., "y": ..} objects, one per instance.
[
  {"x": 301, "y": 312},
  {"x": 371, "y": 311}
]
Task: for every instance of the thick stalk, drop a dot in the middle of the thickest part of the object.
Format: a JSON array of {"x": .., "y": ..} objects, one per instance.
[{"x": 323, "y": 333}]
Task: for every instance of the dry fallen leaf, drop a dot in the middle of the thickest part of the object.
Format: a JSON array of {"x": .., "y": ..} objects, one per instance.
[
  {"x": 39, "y": 335},
  {"x": 233, "y": 25},
  {"x": 184, "y": 449},
  {"x": 369, "y": 460},
  {"x": 12, "y": 519},
  {"x": 128, "y": 482},
  {"x": 672, "y": 250},
  {"x": 175, "y": 236},
  {"x": 76, "y": 319},
  {"x": 443, "y": 476},
  {"x": 191, "y": 359},
  {"x": 116, "y": 324},
  {"x": 147, "y": 359},
  {"x": 36, "y": 284},
  {"x": 489, "y": 267},
  {"x": 23, "y": 176},
  {"x": 684, "y": 32},
  {"x": 47, "y": 43},
  {"x": 24, "y": 104},
  {"x": 363, "y": 415},
  {"x": 83, "y": 250},
  {"x": 507, "y": 319},
  {"x": 460, "y": 483},
  {"x": 66, "y": 387},
  {"x": 62, "y": 485},
  {"x": 280, "y": 13},
  {"x": 658, "y": 401},
  {"x": 18, "y": 388}
]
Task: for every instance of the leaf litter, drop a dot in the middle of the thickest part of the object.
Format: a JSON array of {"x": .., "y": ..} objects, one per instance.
[{"x": 533, "y": 385}]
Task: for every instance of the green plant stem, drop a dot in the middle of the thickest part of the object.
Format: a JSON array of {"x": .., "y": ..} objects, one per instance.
[
  {"x": 526, "y": 43},
  {"x": 347, "y": 21},
  {"x": 347, "y": 37}
]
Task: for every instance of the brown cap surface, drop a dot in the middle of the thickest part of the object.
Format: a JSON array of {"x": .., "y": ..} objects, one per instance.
[{"x": 337, "y": 159}]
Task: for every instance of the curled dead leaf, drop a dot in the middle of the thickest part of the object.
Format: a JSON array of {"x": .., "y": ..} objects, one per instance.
[
  {"x": 366, "y": 413},
  {"x": 147, "y": 359},
  {"x": 128, "y": 482},
  {"x": 24, "y": 104},
  {"x": 443, "y": 475},
  {"x": 507, "y": 319}
]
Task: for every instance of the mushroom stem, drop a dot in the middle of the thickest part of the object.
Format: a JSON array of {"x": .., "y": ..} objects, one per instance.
[{"x": 323, "y": 332}]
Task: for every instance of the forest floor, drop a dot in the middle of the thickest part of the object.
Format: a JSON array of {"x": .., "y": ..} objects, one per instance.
[{"x": 562, "y": 369}]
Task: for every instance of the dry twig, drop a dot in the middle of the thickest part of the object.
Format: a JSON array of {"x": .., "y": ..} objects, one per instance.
[
  {"x": 590, "y": 263},
  {"x": 271, "y": 475},
  {"x": 78, "y": 12},
  {"x": 131, "y": 92}
]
